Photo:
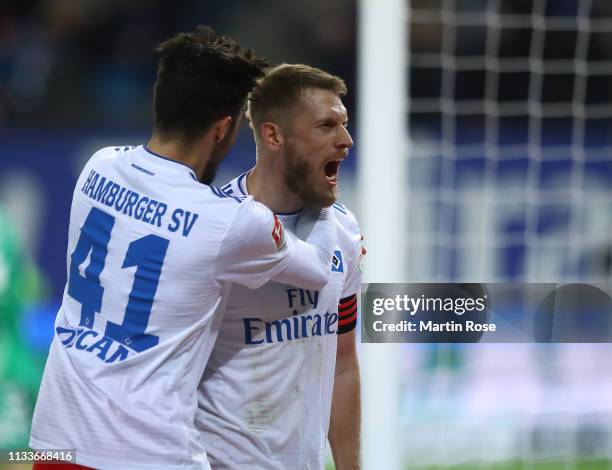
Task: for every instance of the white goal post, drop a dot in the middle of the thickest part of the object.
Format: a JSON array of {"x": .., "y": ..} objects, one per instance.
[{"x": 381, "y": 179}]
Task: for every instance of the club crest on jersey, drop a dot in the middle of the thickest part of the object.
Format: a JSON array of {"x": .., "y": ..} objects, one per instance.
[
  {"x": 278, "y": 234},
  {"x": 337, "y": 264}
]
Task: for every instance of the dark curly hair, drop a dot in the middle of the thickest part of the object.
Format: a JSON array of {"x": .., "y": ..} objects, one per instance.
[{"x": 201, "y": 77}]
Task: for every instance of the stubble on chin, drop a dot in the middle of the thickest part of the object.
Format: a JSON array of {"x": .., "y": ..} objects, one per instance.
[
  {"x": 301, "y": 179},
  {"x": 209, "y": 175}
]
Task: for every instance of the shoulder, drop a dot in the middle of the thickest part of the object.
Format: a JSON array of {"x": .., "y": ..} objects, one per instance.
[
  {"x": 244, "y": 212},
  {"x": 106, "y": 156},
  {"x": 219, "y": 208},
  {"x": 223, "y": 204},
  {"x": 346, "y": 220},
  {"x": 232, "y": 199},
  {"x": 349, "y": 233},
  {"x": 253, "y": 225},
  {"x": 223, "y": 193},
  {"x": 236, "y": 187},
  {"x": 110, "y": 153},
  {"x": 98, "y": 160}
]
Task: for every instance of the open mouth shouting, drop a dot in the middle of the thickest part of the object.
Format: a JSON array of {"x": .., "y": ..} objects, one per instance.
[{"x": 331, "y": 171}]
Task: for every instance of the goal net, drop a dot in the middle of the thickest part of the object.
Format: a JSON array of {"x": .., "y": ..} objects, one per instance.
[
  {"x": 510, "y": 179},
  {"x": 510, "y": 123}
]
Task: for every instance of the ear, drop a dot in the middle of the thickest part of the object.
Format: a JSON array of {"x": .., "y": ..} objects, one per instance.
[
  {"x": 222, "y": 127},
  {"x": 271, "y": 135}
]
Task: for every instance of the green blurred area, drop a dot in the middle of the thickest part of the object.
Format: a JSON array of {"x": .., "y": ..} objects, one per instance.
[{"x": 20, "y": 368}]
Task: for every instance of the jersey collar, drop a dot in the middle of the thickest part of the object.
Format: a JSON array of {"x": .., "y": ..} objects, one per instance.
[
  {"x": 241, "y": 183},
  {"x": 169, "y": 163}
]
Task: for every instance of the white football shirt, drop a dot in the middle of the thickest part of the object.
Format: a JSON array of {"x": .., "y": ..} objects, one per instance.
[
  {"x": 264, "y": 401},
  {"x": 151, "y": 257}
]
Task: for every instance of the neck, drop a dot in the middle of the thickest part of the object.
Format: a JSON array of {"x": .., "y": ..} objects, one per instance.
[
  {"x": 194, "y": 156},
  {"x": 266, "y": 183}
]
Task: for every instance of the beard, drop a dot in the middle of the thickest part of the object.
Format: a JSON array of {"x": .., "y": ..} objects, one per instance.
[
  {"x": 220, "y": 151},
  {"x": 218, "y": 154},
  {"x": 302, "y": 179},
  {"x": 209, "y": 173}
]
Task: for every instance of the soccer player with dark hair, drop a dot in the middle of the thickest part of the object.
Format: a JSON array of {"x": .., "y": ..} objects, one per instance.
[
  {"x": 283, "y": 376},
  {"x": 152, "y": 253}
]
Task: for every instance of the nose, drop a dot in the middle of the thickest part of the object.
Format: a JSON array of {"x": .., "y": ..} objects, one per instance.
[{"x": 345, "y": 139}]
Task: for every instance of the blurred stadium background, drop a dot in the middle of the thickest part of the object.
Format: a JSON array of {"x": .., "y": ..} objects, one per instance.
[{"x": 508, "y": 156}]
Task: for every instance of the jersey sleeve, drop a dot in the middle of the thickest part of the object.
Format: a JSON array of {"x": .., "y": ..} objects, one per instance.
[
  {"x": 350, "y": 302},
  {"x": 256, "y": 249}
]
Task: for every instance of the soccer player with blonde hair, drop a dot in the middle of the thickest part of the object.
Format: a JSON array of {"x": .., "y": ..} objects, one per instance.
[{"x": 283, "y": 375}]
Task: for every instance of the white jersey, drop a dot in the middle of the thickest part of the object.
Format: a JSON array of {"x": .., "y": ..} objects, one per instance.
[
  {"x": 265, "y": 398},
  {"x": 152, "y": 254}
]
